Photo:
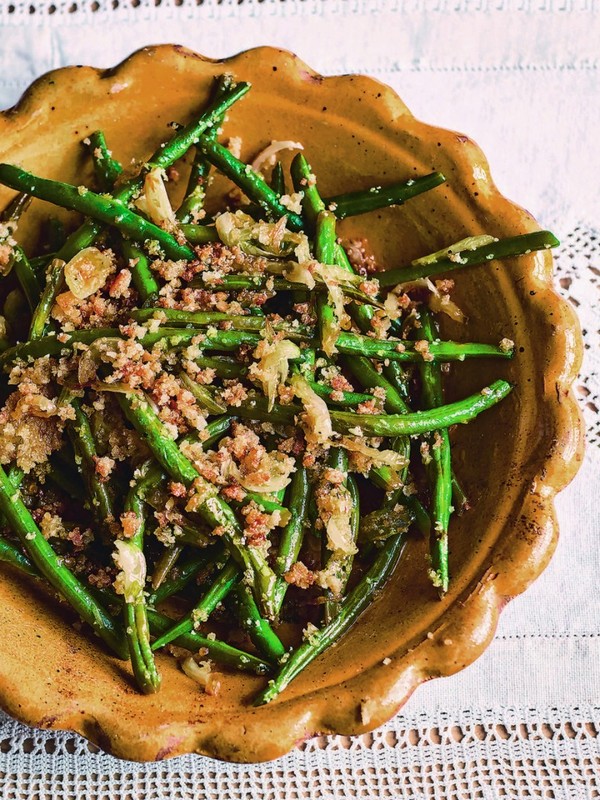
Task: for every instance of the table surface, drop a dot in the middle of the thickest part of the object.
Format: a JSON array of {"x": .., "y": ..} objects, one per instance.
[{"x": 521, "y": 78}]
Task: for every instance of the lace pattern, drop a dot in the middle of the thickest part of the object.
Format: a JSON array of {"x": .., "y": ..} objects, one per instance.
[
  {"x": 32, "y": 9},
  {"x": 578, "y": 279},
  {"x": 511, "y": 753}
]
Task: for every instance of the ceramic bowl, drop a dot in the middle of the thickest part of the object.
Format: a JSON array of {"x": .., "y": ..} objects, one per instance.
[{"x": 512, "y": 460}]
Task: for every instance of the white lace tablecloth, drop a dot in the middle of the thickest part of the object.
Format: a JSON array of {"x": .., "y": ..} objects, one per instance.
[{"x": 521, "y": 77}]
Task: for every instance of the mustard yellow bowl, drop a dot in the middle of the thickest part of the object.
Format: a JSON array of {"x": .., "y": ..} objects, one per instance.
[{"x": 356, "y": 133}]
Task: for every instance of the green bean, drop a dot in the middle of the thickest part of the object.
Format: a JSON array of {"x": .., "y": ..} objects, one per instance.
[
  {"x": 263, "y": 501},
  {"x": 190, "y": 532},
  {"x": 195, "y": 193},
  {"x": 236, "y": 322},
  {"x": 354, "y": 344},
  {"x": 39, "y": 263},
  {"x": 54, "y": 281},
  {"x": 397, "y": 376},
  {"x": 439, "y": 468},
  {"x": 420, "y": 513},
  {"x": 51, "y": 345},
  {"x": 394, "y": 403},
  {"x": 215, "y": 430},
  {"x": 202, "y": 394},
  {"x": 385, "y": 522},
  {"x": 213, "y": 509},
  {"x": 135, "y": 614},
  {"x": 384, "y": 477},
  {"x": 460, "y": 501},
  {"x": 460, "y": 412},
  {"x": 277, "y": 182},
  {"x": 106, "y": 167},
  {"x": 223, "y": 366},
  {"x": 52, "y": 568},
  {"x": 327, "y": 251},
  {"x": 210, "y": 340},
  {"x": 185, "y": 573},
  {"x": 248, "y": 181},
  {"x": 227, "y": 577},
  {"x": 325, "y": 241},
  {"x": 220, "y": 652},
  {"x": 151, "y": 474},
  {"x": 82, "y": 439},
  {"x": 440, "y": 512},
  {"x": 345, "y": 563},
  {"x": 338, "y": 397},
  {"x": 323, "y": 223},
  {"x": 342, "y": 260},
  {"x": 103, "y": 208},
  {"x": 54, "y": 235},
  {"x": 337, "y": 459},
  {"x": 175, "y": 316},
  {"x": 18, "y": 261},
  {"x": 165, "y": 563},
  {"x": 504, "y": 248},
  {"x": 261, "y": 633},
  {"x": 239, "y": 282},
  {"x": 361, "y": 202},
  {"x": 199, "y": 234},
  {"x": 27, "y": 278},
  {"x": 367, "y": 375},
  {"x": 13, "y": 556},
  {"x": 336, "y": 563},
  {"x": 138, "y": 635},
  {"x": 192, "y": 205},
  {"x": 293, "y": 534},
  {"x": 330, "y": 252},
  {"x": 186, "y": 530},
  {"x": 141, "y": 273},
  {"x": 387, "y": 478},
  {"x": 83, "y": 237},
  {"x": 304, "y": 181},
  {"x": 14, "y": 210},
  {"x": 362, "y": 313},
  {"x": 152, "y": 478},
  {"x": 350, "y": 609},
  {"x": 16, "y": 476},
  {"x": 227, "y": 340}
]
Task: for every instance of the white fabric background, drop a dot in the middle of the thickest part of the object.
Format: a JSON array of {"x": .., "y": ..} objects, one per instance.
[{"x": 521, "y": 78}]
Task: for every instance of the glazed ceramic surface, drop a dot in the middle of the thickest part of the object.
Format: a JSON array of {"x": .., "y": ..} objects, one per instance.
[{"x": 511, "y": 460}]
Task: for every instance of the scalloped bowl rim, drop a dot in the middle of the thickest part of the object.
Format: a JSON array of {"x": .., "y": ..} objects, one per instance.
[{"x": 309, "y": 715}]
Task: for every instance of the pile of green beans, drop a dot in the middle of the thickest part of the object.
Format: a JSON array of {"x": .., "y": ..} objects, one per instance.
[{"x": 344, "y": 399}]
